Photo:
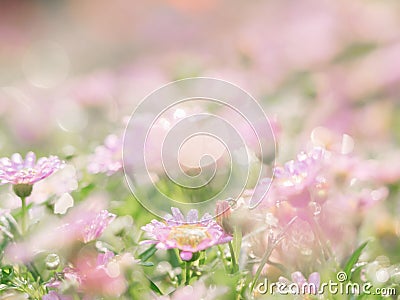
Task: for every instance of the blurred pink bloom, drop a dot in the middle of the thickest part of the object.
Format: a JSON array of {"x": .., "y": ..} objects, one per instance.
[
  {"x": 93, "y": 228},
  {"x": 93, "y": 89},
  {"x": 96, "y": 279},
  {"x": 305, "y": 286},
  {"x": 108, "y": 157},
  {"x": 188, "y": 235},
  {"x": 29, "y": 171},
  {"x": 295, "y": 181},
  {"x": 58, "y": 185},
  {"x": 84, "y": 223},
  {"x": 91, "y": 275},
  {"x": 53, "y": 295}
]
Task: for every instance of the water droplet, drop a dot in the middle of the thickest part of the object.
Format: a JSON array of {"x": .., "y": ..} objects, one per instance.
[
  {"x": 316, "y": 208},
  {"x": 52, "y": 261},
  {"x": 382, "y": 275}
]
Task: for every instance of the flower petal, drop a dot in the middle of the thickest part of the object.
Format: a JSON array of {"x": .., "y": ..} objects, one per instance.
[
  {"x": 298, "y": 277},
  {"x": 315, "y": 279},
  {"x": 30, "y": 160},
  {"x": 192, "y": 216},
  {"x": 17, "y": 161},
  {"x": 176, "y": 213}
]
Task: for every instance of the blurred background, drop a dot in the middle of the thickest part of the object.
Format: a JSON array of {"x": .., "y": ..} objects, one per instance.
[{"x": 70, "y": 71}]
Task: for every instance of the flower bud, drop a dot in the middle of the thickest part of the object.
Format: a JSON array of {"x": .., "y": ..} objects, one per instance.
[
  {"x": 223, "y": 212},
  {"x": 23, "y": 190},
  {"x": 52, "y": 261}
]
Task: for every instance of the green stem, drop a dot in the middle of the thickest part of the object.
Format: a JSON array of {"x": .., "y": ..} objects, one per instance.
[
  {"x": 223, "y": 257},
  {"x": 23, "y": 215},
  {"x": 326, "y": 249},
  {"x": 262, "y": 263},
  {"x": 34, "y": 271},
  {"x": 187, "y": 273},
  {"x": 235, "y": 266},
  {"x": 272, "y": 243}
]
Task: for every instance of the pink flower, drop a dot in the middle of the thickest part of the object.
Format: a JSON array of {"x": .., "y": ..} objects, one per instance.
[
  {"x": 29, "y": 171},
  {"x": 84, "y": 223},
  {"x": 296, "y": 175},
  {"x": 96, "y": 276},
  {"x": 93, "y": 228},
  {"x": 305, "y": 286},
  {"x": 52, "y": 295},
  {"x": 93, "y": 274},
  {"x": 296, "y": 181},
  {"x": 108, "y": 157},
  {"x": 189, "y": 236}
]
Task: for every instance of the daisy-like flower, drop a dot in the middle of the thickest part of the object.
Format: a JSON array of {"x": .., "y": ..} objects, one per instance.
[
  {"x": 25, "y": 172},
  {"x": 189, "y": 236},
  {"x": 298, "y": 178}
]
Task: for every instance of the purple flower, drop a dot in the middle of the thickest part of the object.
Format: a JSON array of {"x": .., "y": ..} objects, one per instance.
[
  {"x": 298, "y": 173},
  {"x": 52, "y": 295},
  {"x": 189, "y": 236},
  {"x": 108, "y": 157},
  {"x": 95, "y": 227},
  {"x": 297, "y": 178},
  {"x": 305, "y": 286},
  {"x": 29, "y": 171}
]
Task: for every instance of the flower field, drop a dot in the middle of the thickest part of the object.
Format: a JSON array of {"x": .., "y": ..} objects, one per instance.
[{"x": 198, "y": 150}]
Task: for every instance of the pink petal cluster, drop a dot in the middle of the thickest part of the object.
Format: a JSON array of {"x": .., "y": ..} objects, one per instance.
[
  {"x": 81, "y": 224},
  {"x": 27, "y": 171},
  {"x": 189, "y": 236},
  {"x": 305, "y": 286},
  {"x": 296, "y": 178},
  {"x": 91, "y": 275},
  {"x": 295, "y": 181},
  {"x": 93, "y": 228},
  {"x": 108, "y": 157}
]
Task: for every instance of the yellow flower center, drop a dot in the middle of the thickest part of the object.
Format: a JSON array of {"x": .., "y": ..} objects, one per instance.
[{"x": 189, "y": 234}]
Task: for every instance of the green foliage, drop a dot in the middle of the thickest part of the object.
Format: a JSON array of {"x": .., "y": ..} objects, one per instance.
[{"x": 353, "y": 259}]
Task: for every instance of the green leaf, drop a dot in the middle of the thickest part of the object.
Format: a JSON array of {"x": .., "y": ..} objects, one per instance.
[
  {"x": 154, "y": 287},
  {"x": 354, "y": 259},
  {"x": 146, "y": 263},
  {"x": 85, "y": 191},
  {"x": 145, "y": 255},
  {"x": 7, "y": 273}
]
